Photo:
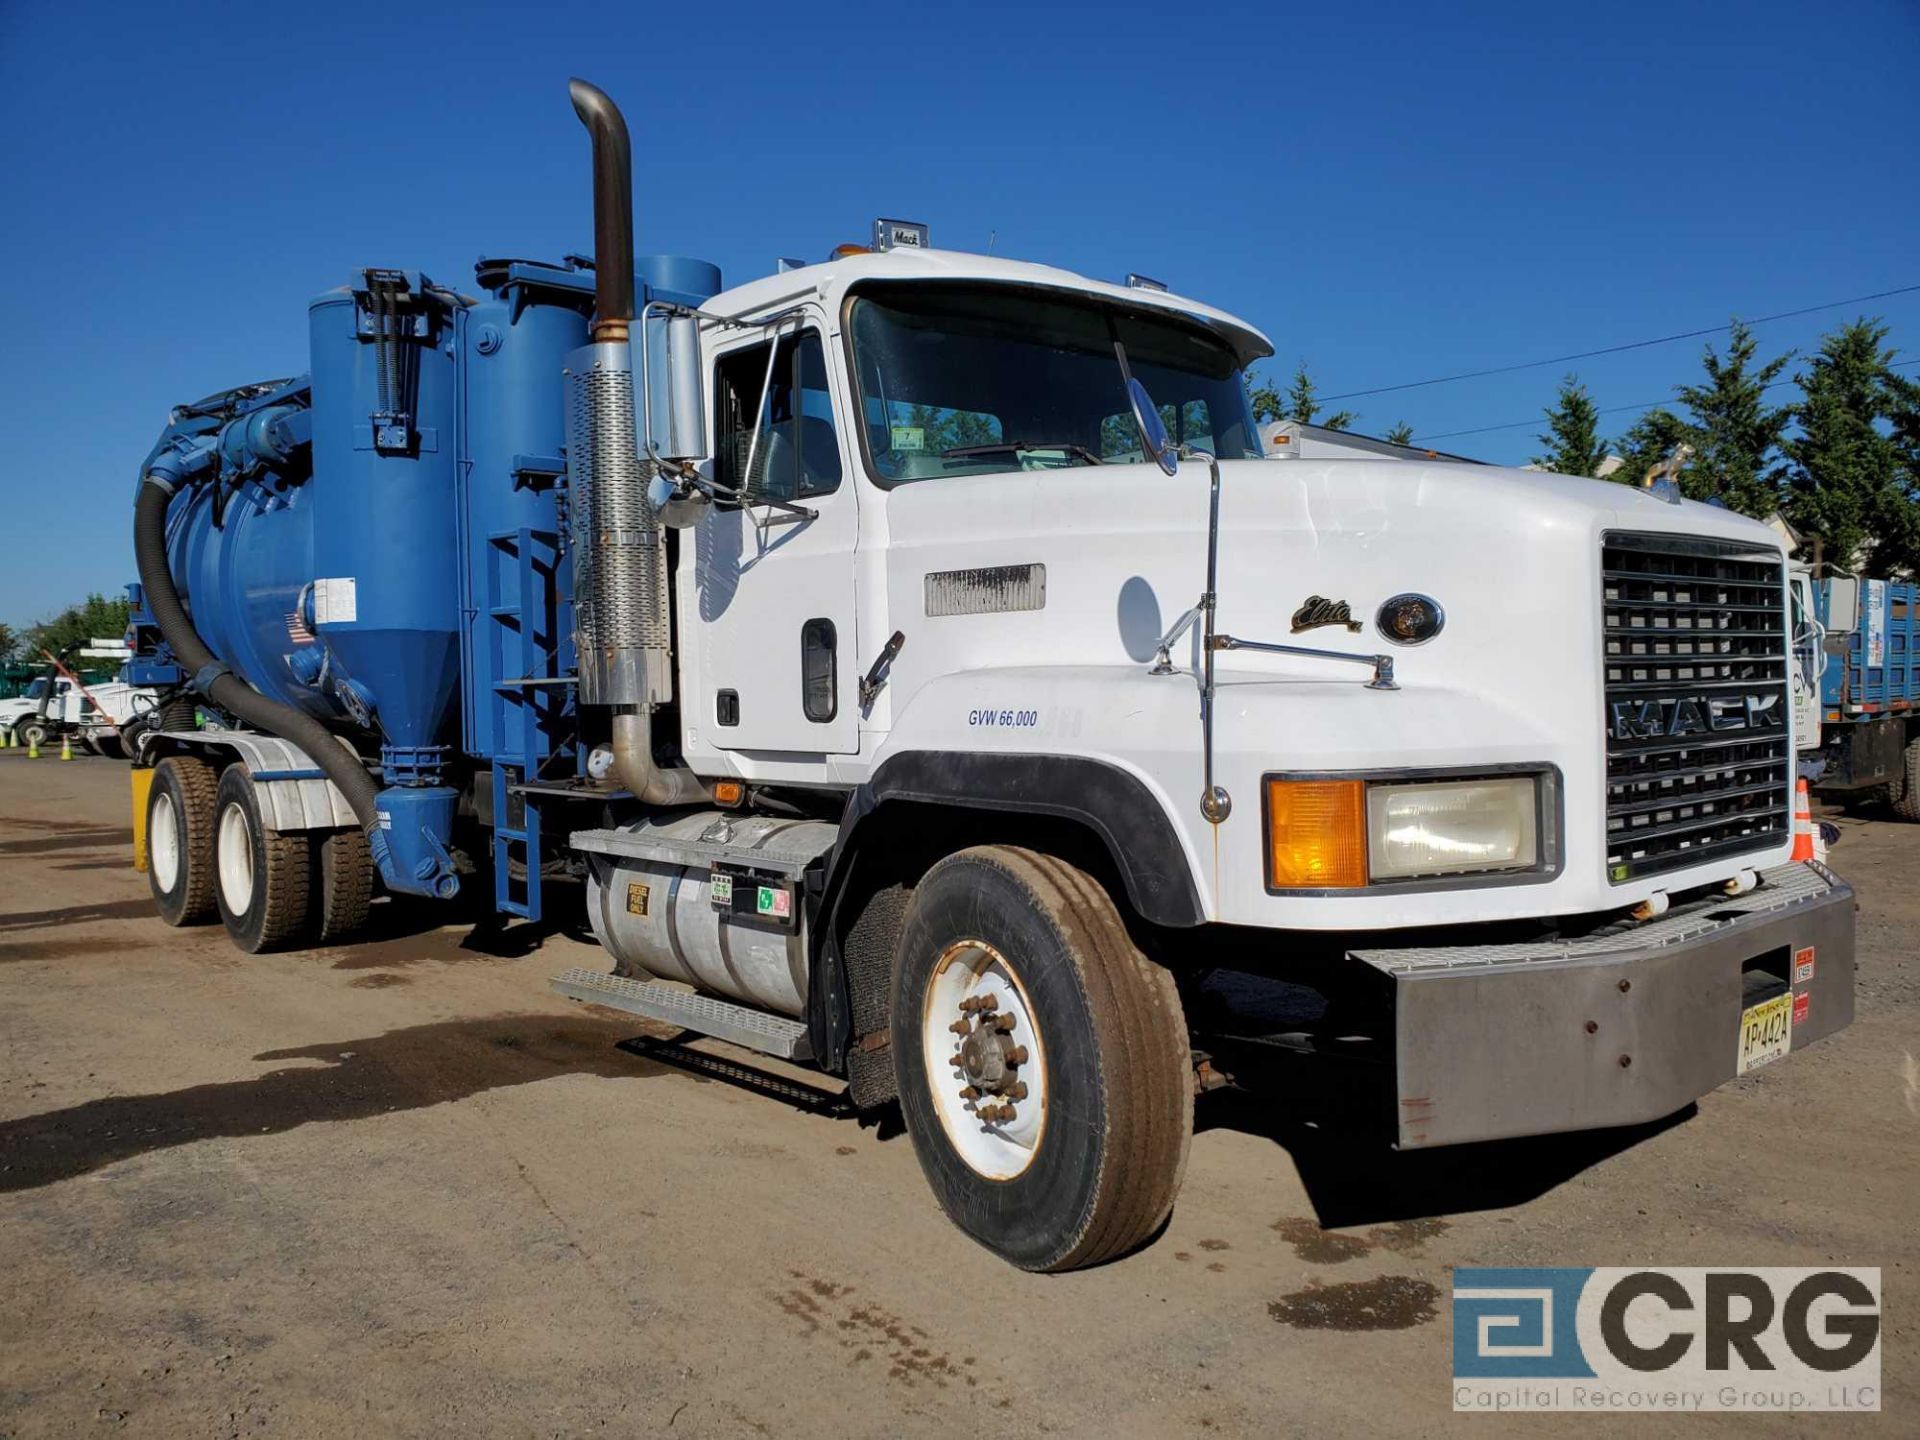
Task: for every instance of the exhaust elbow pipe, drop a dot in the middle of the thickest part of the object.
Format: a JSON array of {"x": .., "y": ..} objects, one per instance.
[
  {"x": 612, "y": 209},
  {"x": 640, "y": 773}
]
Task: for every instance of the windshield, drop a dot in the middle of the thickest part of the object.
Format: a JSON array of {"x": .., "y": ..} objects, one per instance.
[
  {"x": 37, "y": 689},
  {"x": 972, "y": 379}
]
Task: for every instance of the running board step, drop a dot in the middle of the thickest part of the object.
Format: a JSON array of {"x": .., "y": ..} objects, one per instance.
[{"x": 760, "y": 1030}]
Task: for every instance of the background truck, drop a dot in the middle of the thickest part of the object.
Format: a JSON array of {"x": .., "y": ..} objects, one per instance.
[
  {"x": 884, "y": 653},
  {"x": 90, "y": 708},
  {"x": 1869, "y": 691}
]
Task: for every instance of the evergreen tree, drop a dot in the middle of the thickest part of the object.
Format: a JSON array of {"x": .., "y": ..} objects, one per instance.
[
  {"x": 1302, "y": 404},
  {"x": 8, "y": 640},
  {"x": 1847, "y": 484},
  {"x": 1401, "y": 434},
  {"x": 1266, "y": 401},
  {"x": 1736, "y": 435},
  {"x": 1572, "y": 436}
]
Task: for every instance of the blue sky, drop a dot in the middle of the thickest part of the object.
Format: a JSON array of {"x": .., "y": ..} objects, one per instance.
[{"x": 1391, "y": 191}]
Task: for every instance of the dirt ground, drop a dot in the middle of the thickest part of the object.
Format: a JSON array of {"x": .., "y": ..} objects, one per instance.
[{"x": 400, "y": 1188}]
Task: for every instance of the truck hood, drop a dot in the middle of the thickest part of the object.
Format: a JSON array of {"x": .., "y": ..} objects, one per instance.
[{"x": 1512, "y": 557}]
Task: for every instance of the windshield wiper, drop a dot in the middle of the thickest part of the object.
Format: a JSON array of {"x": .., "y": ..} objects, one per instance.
[{"x": 1079, "y": 452}]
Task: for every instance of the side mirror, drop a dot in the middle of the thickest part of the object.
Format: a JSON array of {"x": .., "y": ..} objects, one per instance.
[
  {"x": 673, "y": 422},
  {"x": 1153, "y": 430}
]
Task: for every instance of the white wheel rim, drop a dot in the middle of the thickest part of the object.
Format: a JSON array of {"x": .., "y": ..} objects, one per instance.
[
  {"x": 972, "y": 972},
  {"x": 236, "y": 860},
  {"x": 163, "y": 842}
]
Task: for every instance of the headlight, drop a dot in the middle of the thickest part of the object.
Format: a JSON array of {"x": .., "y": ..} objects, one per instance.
[
  {"x": 1326, "y": 833},
  {"x": 1446, "y": 827}
]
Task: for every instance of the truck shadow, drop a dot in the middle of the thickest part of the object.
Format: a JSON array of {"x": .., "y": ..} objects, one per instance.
[
  {"x": 141, "y": 909},
  {"x": 406, "y": 1069},
  {"x": 1354, "y": 1176},
  {"x": 78, "y": 838}
]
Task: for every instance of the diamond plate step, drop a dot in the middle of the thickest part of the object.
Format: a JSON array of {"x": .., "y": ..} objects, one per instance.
[{"x": 740, "y": 1024}]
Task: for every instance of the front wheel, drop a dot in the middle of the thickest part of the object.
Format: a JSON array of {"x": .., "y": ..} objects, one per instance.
[
  {"x": 264, "y": 878},
  {"x": 32, "y": 732},
  {"x": 1042, "y": 1059}
]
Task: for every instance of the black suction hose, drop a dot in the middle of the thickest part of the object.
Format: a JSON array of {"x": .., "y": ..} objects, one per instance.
[{"x": 207, "y": 675}]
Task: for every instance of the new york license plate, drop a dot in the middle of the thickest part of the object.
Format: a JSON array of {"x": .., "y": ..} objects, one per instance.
[{"x": 1766, "y": 1030}]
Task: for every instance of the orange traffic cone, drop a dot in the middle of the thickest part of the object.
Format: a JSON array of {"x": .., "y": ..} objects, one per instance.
[{"x": 1802, "y": 822}]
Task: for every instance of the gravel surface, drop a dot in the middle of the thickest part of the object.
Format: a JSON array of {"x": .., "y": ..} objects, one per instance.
[{"x": 399, "y": 1188}]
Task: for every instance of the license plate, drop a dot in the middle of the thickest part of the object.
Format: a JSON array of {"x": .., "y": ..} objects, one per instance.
[{"x": 1766, "y": 1030}]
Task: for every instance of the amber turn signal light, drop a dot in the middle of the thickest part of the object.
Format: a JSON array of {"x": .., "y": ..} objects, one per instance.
[
  {"x": 1316, "y": 834},
  {"x": 728, "y": 792}
]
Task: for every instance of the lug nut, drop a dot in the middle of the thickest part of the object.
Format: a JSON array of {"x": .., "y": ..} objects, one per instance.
[
  {"x": 1017, "y": 1055},
  {"x": 988, "y": 1003},
  {"x": 967, "y": 1092},
  {"x": 1003, "y": 1023},
  {"x": 960, "y": 1027},
  {"x": 1017, "y": 1090}
]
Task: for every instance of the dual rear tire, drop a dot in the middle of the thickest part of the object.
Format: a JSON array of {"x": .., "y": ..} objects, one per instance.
[{"x": 210, "y": 853}]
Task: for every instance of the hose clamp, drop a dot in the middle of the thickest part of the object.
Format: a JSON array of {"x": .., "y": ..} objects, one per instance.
[
  {"x": 204, "y": 677},
  {"x": 159, "y": 481}
]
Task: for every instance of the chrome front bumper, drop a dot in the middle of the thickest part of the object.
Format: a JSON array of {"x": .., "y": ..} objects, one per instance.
[{"x": 1623, "y": 1025}]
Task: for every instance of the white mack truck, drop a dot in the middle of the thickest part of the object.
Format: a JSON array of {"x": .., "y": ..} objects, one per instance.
[{"x": 980, "y": 689}]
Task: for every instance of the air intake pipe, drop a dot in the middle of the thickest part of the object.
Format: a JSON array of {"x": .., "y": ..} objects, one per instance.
[{"x": 620, "y": 570}]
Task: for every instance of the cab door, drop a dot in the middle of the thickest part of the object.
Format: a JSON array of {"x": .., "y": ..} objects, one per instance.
[{"x": 774, "y": 589}]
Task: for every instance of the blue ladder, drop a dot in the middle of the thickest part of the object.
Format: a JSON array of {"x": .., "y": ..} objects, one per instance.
[{"x": 528, "y": 704}]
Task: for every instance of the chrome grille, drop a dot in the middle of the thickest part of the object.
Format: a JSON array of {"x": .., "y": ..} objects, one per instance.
[{"x": 1699, "y": 741}]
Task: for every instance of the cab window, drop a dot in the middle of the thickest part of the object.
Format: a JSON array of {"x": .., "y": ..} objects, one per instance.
[{"x": 797, "y": 453}]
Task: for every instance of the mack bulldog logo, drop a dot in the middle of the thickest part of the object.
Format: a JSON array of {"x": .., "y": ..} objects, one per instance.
[
  {"x": 1319, "y": 611},
  {"x": 1695, "y": 715}
]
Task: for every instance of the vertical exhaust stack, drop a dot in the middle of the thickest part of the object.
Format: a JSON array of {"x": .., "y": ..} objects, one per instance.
[
  {"x": 612, "y": 209},
  {"x": 619, "y": 555}
]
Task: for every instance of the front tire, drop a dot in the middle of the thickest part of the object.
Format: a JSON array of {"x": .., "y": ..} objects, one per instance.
[
  {"x": 32, "y": 732},
  {"x": 264, "y": 878},
  {"x": 1043, "y": 1065},
  {"x": 180, "y": 866}
]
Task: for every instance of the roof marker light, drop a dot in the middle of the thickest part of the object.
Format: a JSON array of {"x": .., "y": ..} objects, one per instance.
[{"x": 1145, "y": 282}]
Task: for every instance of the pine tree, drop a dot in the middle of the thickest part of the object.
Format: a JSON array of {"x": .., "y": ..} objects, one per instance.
[
  {"x": 1848, "y": 485},
  {"x": 1736, "y": 435},
  {"x": 1266, "y": 401},
  {"x": 1302, "y": 404},
  {"x": 1572, "y": 436}
]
